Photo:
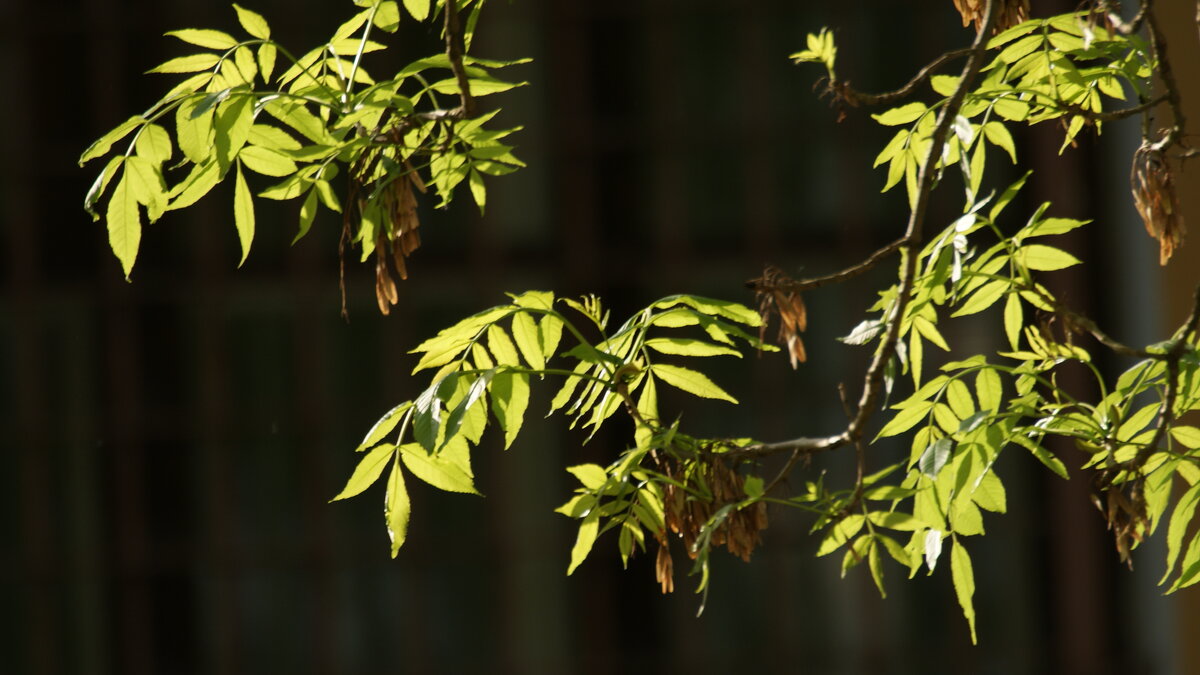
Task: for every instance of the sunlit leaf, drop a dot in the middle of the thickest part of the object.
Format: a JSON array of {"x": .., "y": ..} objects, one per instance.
[
  {"x": 368, "y": 470},
  {"x": 253, "y": 23},
  {"x": 964, "y": 583},
  {"x": 690, "y": 381},
  {"x": 437, "y": 469},
  {"x": 588, "y": 529},
  {"x": 396, "y": 508},
  {"x": 243, "y": 214}
]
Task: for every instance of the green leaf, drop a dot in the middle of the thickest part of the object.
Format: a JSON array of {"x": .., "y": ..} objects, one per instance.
[
  {"x": 999, "y": 136},
  {"x": 232, "y": 127},
  {"x": 1186, "y": 435},
  {"x": 146, "y": 185},
  {"x": 959, "y": 399},
  {"x": 100, "y": 184},
  {"x": 551, "y": 329},
  {"x": 1043, "y": 455},
  {"x": 243, "y": 214},
  {"x": 935, "y": 457},
  {"x": 296, "y": 116},
  {"x": 253, "y": 23},
  {"x": 588, "y": 529},
  {"x": 712, "y": 307},
  {"x": 478, "y": 190},
  {"x": 369, "y": 469},
  {"x": 438, "y": 470},
  {"x": 419, "y": 9},
  {"x": 689, "y": 347},
  {"x": 905, "y": 419},
  {"x": 895, "y": 521},
  {"x": 964, "y": 583},
  {"x": 266, "y": 161},
  {"x": 988, "y": 389},
  {"x": 396, "y": 508},
  {"x": 102, "y": 145},
  {"x": 1007, "y": 196},
  {"x": 154, "y": 144},
  {"x": 384, "y": 426},
  {"x": 193, "y": 129},
  {"x": 1185, "y": 510},
  {"x": 592, "y": 476},
  {"x": 202, "y": 37},
  {"x": 841, "y": 532},
  {"x": 308, "y": 211},
  {"x": 502, "y": 346},
  {"x": 529, "y": 340},
  {"x": 1046, "y": 258},
  {"x": 983, "y": 298},
  {"x": 510, "y": 397},
  {"x": 901, "y": 115},
  {"x": 690, "y": 381},
  {"x": 1014, "y": 319},
  {"x": 266, "y": 60},
  {"x": 989, "y": 494},
  {"x": 187, "y": 64},
  {"x": 1051, "y": 226},
  {"x": 124, "y": 225},
  {"x": 387, "y": 16},
  {"x": 197, "y": 184}
]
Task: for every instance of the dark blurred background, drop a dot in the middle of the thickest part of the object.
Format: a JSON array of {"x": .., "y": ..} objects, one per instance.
[{"x": 171, "y": 444}]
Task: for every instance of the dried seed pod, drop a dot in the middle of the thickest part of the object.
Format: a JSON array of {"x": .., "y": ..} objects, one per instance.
[
  {"x": 1008, "y": 14},
  {"x": 1157, "y": 202},
  {"x": 776, "y": 296}
]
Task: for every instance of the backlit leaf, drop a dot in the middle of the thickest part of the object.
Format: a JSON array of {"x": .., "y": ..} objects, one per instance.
[
  {"x": 396, "y": 508},
  {"x": 102, "y": 145},
  {"x": 202, "y": 37},
  {"x": 437, "y": 470},
  {"x": 588, "y": 529},
  {"x": 1047, "y": 258},
  {"x": 419, "y": 9},
  {"x": 187, "y": 64},
  {"x": 243, "y": 214},
  {"x": 901, "y": 115},
  {"x": 154, "y": 144},
  {"x": 369, "y": 469},
  {"x": 253, "y": 23},
  {"x": 124, "y": 225},
  {"x": 964, "y": 583},
  {"x": 906, "y": 419},
  {"x": 690, "y": 381},
  {"x": 689, "y": 347},
  {"x": 510, "y": 397},
  {"x": 528, "y": 339}
]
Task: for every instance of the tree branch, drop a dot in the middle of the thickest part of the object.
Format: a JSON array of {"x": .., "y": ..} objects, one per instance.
[
  {"x": 856, "y": 98},
  {"x": 909, "y": 245},
  {"x": 454, "y": 52}
]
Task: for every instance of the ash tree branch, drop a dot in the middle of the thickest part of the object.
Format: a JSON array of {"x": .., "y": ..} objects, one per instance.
[
  {"x": 910, "y": 247},
  {"x": 857, "y": 98},
  {"x": 454, "y": 52}
]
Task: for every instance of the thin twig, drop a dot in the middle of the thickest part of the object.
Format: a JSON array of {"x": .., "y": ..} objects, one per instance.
[
  {"x": 838, "y": 277},
  {"x": 454, "y": 52},
  {"x": 1158, "y": 46},
  {"x": 909, "y": 244},
  {"x": 1167, "y": 415},
  {"x": 856, "y": 98}
]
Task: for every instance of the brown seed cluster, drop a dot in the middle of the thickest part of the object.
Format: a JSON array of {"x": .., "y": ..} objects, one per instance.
[
  {"x": 400, "y": 212},
  {"x": 686, "y": 514},
  {"x": 1124, "y": 508},
  {"x": 776, "y": 296},
  {"x": 395, "y": 207},
  {"x": 1009, "y": 13},
  {"x": 1156, "y": 200}
]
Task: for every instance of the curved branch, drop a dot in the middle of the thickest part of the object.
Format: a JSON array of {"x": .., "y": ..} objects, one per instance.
[
  {"x": 909, "y": 244},
  {"x": 856, "y": 98}
]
